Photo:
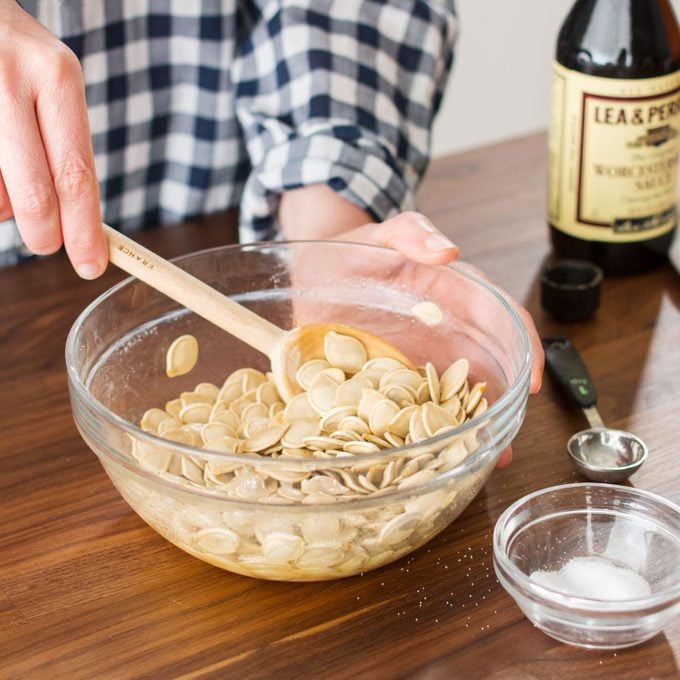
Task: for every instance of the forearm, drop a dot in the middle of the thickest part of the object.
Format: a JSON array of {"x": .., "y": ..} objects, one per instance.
[{"x": 318, "y": 212}]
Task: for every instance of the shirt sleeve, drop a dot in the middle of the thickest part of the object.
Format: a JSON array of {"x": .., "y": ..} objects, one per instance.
[{"x": 340, "y": 93}]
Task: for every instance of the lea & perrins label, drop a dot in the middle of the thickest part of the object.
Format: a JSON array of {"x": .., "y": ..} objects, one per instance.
[{"x": 613, "y": 156}]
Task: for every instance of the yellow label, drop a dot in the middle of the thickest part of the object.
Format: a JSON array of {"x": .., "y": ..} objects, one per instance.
[{"x": 613, "y": 156}]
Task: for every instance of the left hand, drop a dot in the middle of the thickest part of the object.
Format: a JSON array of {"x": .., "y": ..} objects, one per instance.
[{"x": 410, "y": 233}]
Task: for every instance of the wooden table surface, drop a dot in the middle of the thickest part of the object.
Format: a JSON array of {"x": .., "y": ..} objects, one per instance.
[{"x": 88, "y": 590}]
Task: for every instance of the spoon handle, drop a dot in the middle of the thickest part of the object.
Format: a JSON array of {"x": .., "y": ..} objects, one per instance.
[
  {"x": 191, "y": 292},
  {"x": 566, "y": 366}
]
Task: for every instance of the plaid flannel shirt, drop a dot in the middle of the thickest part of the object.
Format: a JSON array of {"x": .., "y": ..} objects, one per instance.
[{"x": 196, "y": 106}]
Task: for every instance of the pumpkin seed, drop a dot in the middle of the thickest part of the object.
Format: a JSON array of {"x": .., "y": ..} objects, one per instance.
[
  {"x": 453, "y": 379},
  {"x": 181, "y": 356},
  {"x": 344, "y": 352}
]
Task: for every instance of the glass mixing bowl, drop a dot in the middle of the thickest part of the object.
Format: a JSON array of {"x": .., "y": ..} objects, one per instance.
[
  {"x": 115, "y": 358},
  {"x": 592, "y": 565}
]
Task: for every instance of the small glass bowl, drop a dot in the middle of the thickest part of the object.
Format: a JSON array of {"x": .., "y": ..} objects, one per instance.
[{"x": 614, "y": 526}]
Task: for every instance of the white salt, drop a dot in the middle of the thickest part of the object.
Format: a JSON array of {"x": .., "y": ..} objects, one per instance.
[
  {"x": 596, "y": 578},
  {"x": 548, "y": 579}
]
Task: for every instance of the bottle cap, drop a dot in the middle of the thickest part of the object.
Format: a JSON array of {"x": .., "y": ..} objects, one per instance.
[{"x": 570, "y": 289}]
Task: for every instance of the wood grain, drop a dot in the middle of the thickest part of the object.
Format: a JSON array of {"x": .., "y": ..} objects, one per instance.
[{"x": 87, "y": 590}]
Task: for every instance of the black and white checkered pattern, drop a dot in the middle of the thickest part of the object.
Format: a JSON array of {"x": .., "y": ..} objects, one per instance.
[{"x": 201, "y": 105}]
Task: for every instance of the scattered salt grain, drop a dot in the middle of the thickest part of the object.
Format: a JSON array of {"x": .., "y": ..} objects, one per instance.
[{"x": 594, "y": 577}]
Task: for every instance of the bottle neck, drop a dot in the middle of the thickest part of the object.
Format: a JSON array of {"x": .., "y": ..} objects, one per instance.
[{"x": 620, "y": 38}]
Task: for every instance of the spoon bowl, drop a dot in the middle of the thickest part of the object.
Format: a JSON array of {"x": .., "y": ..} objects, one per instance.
[
  {"x": 307, "y": 342},
  {"x": 606, "y": 455}
]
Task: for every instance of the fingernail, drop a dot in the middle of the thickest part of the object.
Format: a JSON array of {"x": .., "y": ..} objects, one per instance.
[
  {"x": 438, "y": 242},
  {"x": 88, "y": 270},
  {"x": 425, "y": 223}
]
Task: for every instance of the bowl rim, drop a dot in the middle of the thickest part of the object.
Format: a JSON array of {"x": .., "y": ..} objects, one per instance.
[
  {"x": 541, "y": 593},
  {"x": 508, "y": 396}
]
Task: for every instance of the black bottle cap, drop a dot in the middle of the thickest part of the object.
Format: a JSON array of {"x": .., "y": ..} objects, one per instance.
[{"x": 570, "y": 289}]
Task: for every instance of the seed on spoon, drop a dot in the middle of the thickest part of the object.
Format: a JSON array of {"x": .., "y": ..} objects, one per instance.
[{"x": 344, "y": 352}]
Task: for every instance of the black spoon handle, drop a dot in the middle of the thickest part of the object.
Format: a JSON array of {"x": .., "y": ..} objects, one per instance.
[{"x": 566, "y": 366}]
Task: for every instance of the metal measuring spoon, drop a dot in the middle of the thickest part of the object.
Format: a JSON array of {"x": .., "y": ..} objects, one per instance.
[{"x": 600, "y": 453}]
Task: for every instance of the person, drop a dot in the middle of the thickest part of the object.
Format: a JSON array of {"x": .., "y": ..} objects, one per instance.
[{"x": 312, "y": 117}]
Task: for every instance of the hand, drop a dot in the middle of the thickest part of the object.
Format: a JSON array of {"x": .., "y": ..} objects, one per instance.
[
  {"x": 47, "y": 174},
  {"x": 411, "y": 234},
  {"x": 318, "y": 212}
]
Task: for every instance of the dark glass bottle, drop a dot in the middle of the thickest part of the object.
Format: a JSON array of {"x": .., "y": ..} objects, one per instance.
[{"x": 615, "y": 134}]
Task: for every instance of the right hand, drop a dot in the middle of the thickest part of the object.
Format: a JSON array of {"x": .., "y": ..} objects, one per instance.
[{"x": 48, "y": 181}]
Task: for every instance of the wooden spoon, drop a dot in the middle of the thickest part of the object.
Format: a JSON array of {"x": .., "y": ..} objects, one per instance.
[{"x": 287, "y": 350}]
